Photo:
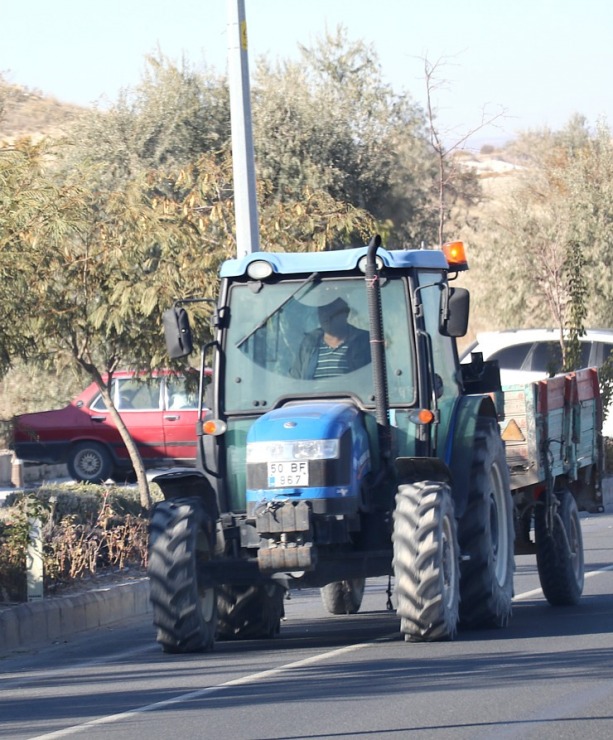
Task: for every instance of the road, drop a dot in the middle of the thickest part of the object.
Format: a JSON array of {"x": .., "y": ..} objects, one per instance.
[{"x": 548, "y": 675}]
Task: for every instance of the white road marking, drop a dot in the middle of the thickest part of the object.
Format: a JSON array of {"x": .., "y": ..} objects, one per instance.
[
  {"x": 251, "y": 678},
  {"x": 181, "y": 698}
]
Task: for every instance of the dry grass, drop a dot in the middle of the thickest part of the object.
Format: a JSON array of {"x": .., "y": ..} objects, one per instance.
[{"x": 87, "y": 531}]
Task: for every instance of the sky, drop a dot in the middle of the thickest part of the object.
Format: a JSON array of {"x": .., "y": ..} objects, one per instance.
[{"x": 529, "y": 63}]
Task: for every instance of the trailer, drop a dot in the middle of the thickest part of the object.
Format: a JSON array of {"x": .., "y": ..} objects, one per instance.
[{"x": 554, "y": 450}]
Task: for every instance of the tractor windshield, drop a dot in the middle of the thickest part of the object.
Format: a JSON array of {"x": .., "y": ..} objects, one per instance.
[{"x": 310, "y": 338}]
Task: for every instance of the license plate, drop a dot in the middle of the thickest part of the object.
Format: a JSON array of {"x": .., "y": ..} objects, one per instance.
[{"x": 288, "y": 474}]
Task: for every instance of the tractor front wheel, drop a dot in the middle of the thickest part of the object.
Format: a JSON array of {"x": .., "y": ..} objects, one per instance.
[
  {"x": 426, "y": 562},
  {"x": 184, "y": 604}
]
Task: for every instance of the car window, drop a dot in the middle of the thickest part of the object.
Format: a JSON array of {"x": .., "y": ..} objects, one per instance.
[
  {"x": 512, "y": 358},
  {"x": 546, "y": 358},
  {"x": 586, "y": 348},
  {"x": 182, "y": 394},
  {"x": 98, "y": 404},
  {"x": 139, "y": 395},
  {"x": 600, "y": 353}
]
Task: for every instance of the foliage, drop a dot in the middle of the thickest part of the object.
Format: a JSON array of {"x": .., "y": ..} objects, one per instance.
[
  {"x": 25, "y": 208},
  {"x": 171, "y": 118},
  {"x": 28, "y": 388},
  {"x": 550, "y": 238},
  {"x": 329, "y": 123},
  {"x": 85, "y": 531}
]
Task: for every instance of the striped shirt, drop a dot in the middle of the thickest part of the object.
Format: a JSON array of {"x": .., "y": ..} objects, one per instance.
[{"x": 331, "y": 361}]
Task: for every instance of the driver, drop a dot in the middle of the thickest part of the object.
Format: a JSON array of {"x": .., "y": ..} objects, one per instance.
[{"x": 335, "y": 348}]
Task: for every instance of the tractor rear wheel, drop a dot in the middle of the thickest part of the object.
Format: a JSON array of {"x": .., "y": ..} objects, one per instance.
[
  {"x": 343, "y": 597},
  {"x": 486, "y": 534},
  {"x": 426, "y": 562},
  {"x": 559, "y": 552},
  {"x": 250, "y": 612},
  {"x": 184, "y": 606}
]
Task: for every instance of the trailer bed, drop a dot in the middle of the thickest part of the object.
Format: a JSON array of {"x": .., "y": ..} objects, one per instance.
[{"x": 552, "y": 432}]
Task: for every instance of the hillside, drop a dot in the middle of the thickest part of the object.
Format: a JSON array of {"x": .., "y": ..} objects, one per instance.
[{"x": 25, "y": 112}]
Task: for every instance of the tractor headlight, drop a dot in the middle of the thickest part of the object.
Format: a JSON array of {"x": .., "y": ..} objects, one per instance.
[{"x": 302, "y": 449}]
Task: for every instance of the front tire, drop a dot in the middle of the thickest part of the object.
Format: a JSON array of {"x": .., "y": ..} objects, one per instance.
[
  {"x": 559, "y": 553},
  {"x": 426, "y": 562},
  {"x": 486, "y": 535},
  {"x": 89, "y": 462},
  {"x": 343, "y": 597},
  {"x": 184, "y": 606}
]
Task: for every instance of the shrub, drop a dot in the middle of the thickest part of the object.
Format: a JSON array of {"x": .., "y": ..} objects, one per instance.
[{"x": 86, "y": 530}]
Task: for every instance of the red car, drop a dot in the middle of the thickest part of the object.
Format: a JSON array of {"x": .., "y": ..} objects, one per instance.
[{"x": 159, "y": 412}]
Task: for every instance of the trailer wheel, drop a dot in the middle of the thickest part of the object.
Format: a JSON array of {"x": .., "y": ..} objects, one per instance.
[
  {"x": 343, "y": 597},
  {"x": 559, "y": 553},
  {"x": 426, "y": 562},
  {"x": 486, "y": 535},
  {"x": 184, "y": 606},
  {"x": 250, "y": 612}
]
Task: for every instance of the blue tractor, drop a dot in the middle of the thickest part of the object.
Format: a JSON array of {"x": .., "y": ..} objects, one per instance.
[{"x": 342, "y": 440}]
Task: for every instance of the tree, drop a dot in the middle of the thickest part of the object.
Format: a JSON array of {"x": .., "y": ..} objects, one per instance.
[
  {"x": 27, "y": 205},
  {"x": 551, "y": 243},
  {"x": 84, "y": 262},
  {"x": 454, "y": 185},
  {"x": 168, "y": 120},
  {"x": 329, "y": 123}
]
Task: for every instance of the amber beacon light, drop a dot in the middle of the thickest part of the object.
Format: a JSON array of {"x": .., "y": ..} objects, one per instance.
[{"x": 455, "y": 255}]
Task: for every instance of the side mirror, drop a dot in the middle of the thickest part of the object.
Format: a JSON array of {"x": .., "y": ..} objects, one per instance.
[
  {"x": 177, "y": 332},
  {"x": 454, "y": 316}
]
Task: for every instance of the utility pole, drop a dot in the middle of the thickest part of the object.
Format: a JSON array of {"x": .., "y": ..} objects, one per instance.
[{"x": 245, "y": 201}]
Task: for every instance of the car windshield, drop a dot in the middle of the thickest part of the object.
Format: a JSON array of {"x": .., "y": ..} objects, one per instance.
[{"x": 299, "y": 338}]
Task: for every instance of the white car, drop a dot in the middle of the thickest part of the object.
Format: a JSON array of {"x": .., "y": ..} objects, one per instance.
[{"x": 525, "y": 355}]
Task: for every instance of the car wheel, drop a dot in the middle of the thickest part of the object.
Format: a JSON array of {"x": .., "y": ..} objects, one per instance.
[{"x": 89, "y": 462}]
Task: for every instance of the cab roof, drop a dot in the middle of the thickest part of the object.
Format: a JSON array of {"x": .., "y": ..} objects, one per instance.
[{"x": 342, "y": 260}]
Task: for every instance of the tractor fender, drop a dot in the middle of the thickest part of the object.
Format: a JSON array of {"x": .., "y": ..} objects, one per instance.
[
  {"x": 188, "y": 483},
  {"x": 460, "y": 446}
]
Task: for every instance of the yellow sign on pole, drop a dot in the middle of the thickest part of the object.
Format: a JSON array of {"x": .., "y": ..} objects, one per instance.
[{"x": 244, "y": 35}]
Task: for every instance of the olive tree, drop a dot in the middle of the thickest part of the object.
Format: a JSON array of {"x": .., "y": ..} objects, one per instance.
[
  {"x": 329, "y": 122},
  {"x": 549, "y": 239}
]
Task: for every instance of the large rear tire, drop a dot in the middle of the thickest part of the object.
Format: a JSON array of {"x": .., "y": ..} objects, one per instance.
[
  {"x": 250, "y": 612},
  {"x": 486, "y": 534},
  {"x": 184, "y": 606},
  {"x": 559, "y": 553},
  {"x": 426, "y": 562},
  {"x": 343, "y": 597}
]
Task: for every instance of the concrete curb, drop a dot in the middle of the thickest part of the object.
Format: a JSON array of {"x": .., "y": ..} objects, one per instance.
[
  {"x": 16, "y": 473},
  {"x": 36, "y": 624}
]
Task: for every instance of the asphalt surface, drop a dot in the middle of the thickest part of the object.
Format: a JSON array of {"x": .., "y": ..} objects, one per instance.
[{"x": 44, "y": 622}]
